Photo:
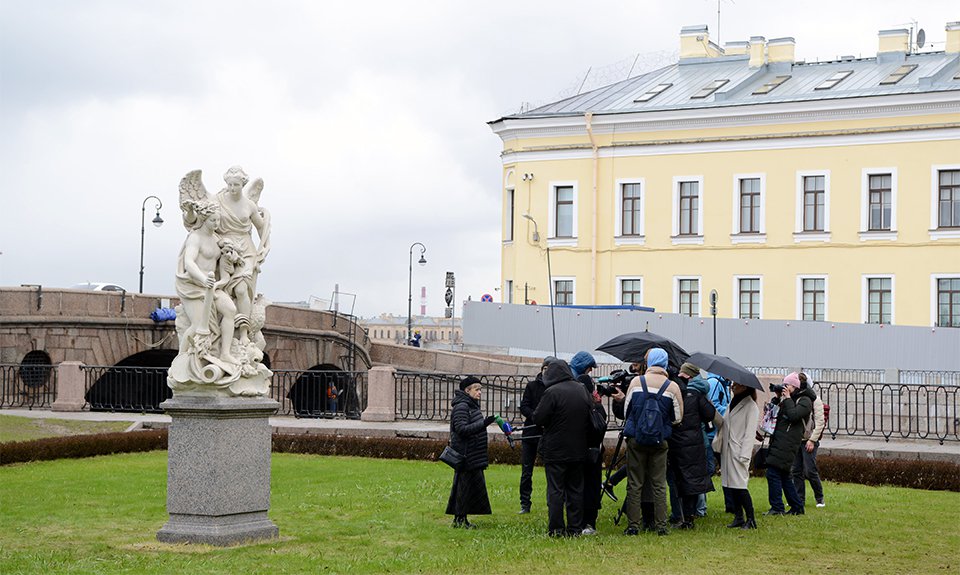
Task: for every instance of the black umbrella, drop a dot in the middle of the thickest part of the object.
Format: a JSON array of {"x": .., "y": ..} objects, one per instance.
[
  {"x": 726, "y": 367},
  {"x": 632, "y": 347}
]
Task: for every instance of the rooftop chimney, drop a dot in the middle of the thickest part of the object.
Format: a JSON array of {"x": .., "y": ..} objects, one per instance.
[
  {"x": 758, "y": 51},
  {"x": 953, "y": 38},
  {"x": 894, "y": 44},
  {"x": 781, "y": 50},
  {"x": 695, "y": 43},
  {"x": 736, "y": 48}
]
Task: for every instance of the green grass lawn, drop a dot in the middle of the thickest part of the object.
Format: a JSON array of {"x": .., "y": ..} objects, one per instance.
[
  {"x": 353, "y": 515},
  {"x": 15, "y": 428}
]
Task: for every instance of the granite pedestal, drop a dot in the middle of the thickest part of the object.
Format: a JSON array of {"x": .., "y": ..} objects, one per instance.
[{"x": 218, "y": 470}]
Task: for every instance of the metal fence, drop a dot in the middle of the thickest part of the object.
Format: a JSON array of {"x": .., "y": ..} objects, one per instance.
[
  {"x": 891, "y": 411},
  {"x": 27, "y": 385},
  {"x": 125, "y": 388},
  {"x": 315, "y": 393}
]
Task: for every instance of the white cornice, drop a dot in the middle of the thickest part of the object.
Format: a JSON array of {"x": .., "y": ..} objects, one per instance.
[
  {"x": 945, "y": 102},
  {"x": 812, "y": 141}
]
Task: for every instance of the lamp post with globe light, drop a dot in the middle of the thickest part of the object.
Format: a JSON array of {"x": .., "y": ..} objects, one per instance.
[
  {"x": 157, "y": 221},
  {"x": 422, "y": 261}
]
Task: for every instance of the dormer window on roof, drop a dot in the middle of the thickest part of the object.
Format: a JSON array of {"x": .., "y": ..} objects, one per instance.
[
  {"x": 834, "y": 80},
  {"x": 709, "y": 89},
  {"x": 653, "y": 92},
  {"x": 769, "y": 86},
  {"x": 898, "y": 74}
]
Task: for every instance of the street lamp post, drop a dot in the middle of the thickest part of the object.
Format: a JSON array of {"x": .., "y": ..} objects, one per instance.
[
  {"x": 536, "y": 238},
  {"x": 157, "y": 221},
  {"x": 422, "y": 261},
  {"x": 713, "y": 312}
]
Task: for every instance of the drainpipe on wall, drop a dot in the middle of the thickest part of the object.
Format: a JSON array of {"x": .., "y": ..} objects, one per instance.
[{"x": 593, "y": 235}]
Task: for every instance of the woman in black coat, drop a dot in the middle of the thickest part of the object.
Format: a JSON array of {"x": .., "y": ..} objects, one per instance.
[
  {"x": 687, "y": 454},
  {"x": 468, "y": 436}
]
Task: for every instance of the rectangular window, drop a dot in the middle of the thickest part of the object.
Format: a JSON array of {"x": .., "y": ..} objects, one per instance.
[
  {"x": 833, "y": 80},
  {"x": 630, "y": 292},
  {"x": 749, "y": 289},
  {"x": 563, "y": 292},
  {"x": 880, "y": 204},
  {"x": 750, "y": 206},
  {"x": 814, "y": 294},
  {"x": 879, "y": 300},
  {"x": 653, "y": 92},
  {"x": 508, "y": 291},
  {"x": 769, "y": 86},
  {"x": 949, "y": 199},
  {"x": 689, "y": 208},
  {"x": 508, "y": 233},
  {"x": 898, "y": 74},
  {"x": 689, "y": 291},
  {"x": 631, "y": 210},
  {"x": 813, "y": 203},
  {"x": 564, "y": 212},
  {"x": 709, "y": 89},
  {"x": 948, "y": 302}
]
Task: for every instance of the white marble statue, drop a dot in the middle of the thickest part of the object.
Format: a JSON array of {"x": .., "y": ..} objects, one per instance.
[{"x": 220, "y": 313}]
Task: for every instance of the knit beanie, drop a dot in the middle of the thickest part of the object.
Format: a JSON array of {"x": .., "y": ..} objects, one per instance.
[
  {"x": 581, "y": 362},
  {"x": 656, "y": 357},
  {"x": 690, "y": 369},
  {"x": 468, "y": 381},
  {"x": 792, "y": 379}
]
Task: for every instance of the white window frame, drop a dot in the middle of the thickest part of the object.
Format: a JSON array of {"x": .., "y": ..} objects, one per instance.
[
  {"x": 507, "y": 291},
  {"x": 736, "y": 293},
  {"x": 620, "y": 280},
  {"x": 934, "y": 304},
  {"x": 553, "y": 287},
  {"x": 799, "y": 235},
  {"x": 826, "y": 294},
  {"x": 552, "y": 240},
  {"x": 865, "y": 233},
  {"x": 640, "y": 238},
  {"x": 676, "y": 293},
  {"x": 935, "y": 232},
  {"x": 676, "y": 237},
  {"x": 736, "y": 236},
  {"x": 865, "y": 296}
]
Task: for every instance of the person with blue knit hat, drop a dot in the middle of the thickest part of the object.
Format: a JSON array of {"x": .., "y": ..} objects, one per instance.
[
  {"x": 646, "y": 443},
  {"x": 581, "y": 365}
]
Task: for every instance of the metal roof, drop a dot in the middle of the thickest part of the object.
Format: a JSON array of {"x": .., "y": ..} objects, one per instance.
[{"x": 935, "y": 72}]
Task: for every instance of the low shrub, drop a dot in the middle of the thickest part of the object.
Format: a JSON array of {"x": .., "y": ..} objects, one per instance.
[
  {"x": 73, "y": 446},
  {"x": 381, "y": 447},
  {"x": 933, "y": 475}
]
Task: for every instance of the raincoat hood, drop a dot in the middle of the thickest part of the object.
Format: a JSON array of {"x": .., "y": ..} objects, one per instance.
[
  {"x": 557, "y": 371},
  {"x": 581, "y": 362}
]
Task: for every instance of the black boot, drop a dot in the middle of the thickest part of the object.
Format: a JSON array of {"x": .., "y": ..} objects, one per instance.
[
  {"x": 749, "y": 524},
  {"x": 737, "y": 521}
]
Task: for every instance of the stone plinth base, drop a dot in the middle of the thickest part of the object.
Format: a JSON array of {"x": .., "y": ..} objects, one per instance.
[{"x": 218, "y": 470}]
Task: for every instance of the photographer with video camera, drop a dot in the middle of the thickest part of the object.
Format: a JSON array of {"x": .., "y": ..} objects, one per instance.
[
  {"x": 796, "y": 405},
  {"x": 531, "y": 435}
]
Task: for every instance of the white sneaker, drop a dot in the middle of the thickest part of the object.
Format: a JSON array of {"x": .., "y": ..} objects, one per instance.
[
  {"x": 821, "y": 504},
  {"x": 588, "y": 530}
]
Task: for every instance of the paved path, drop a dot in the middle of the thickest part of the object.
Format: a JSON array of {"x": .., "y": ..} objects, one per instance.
[{"x": 842, "y": 445}]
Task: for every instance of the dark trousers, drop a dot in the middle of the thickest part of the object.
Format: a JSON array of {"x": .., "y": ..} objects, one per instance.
[
  {"x": 564, "y": 490},
  {"x": 528, "y": 456},
  {"x": 779, "y": 481},
  {"x": 741, "y": 503},
  {"x": 805, "y": 468},
  {"x": 592, "y": 496}
]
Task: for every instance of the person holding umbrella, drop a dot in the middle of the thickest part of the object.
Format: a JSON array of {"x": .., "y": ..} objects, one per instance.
[{"x": 734, "y": 441}]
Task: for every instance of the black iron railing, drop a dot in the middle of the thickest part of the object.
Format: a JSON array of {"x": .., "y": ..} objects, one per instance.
[
  {"x": 27, "y": 385},
  {"x": 125, "y": 388},
  {"x": 892, "y": 411},
  {"x": 315, "y": 393}
]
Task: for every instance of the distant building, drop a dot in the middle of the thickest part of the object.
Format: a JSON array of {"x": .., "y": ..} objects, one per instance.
[
  {"x": 435, "y": 332},
  {"x": 820, "y": 191}
]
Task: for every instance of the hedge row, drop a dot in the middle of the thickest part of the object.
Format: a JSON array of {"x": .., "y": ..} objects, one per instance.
[{"x": 932, "y": 475}]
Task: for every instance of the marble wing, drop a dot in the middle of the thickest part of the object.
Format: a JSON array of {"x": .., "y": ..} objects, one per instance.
[
  {"x": 254, "y": 189},
  {"x": 192, "y": 192}
]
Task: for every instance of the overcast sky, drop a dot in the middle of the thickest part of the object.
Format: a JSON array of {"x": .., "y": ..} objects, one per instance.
[{"x": 366, "y": 120}]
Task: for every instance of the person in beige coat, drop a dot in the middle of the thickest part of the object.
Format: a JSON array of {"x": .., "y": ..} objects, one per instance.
[{"x": 735, "y": 441}]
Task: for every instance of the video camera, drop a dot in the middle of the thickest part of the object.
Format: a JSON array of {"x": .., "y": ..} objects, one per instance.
[
  {"x": 608, "y": 383},
  {"x": 777, "y": 388}
]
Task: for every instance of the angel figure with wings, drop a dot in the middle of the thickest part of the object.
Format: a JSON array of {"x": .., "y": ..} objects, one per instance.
[{"x": 216, "y": 281}]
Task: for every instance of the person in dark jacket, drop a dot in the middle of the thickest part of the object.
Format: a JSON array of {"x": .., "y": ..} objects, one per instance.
[
  {"x": 687, "y": 454},
  {"x": 564, "y": 414},
  {"x": 581, "y": 365},
  {"x": 528, "y": 447},
  {"x": 468, "y": 436},
  {"x": 796, "y": 405}
]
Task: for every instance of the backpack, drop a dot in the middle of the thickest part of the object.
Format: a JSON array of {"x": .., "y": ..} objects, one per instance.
[{"x": 645, "y": 424}]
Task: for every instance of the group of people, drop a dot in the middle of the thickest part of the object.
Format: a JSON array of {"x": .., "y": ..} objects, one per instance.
[{"x": 678, "y": 426}]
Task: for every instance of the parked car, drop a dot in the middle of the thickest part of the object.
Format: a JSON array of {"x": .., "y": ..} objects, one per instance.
[{"x": 98, "y": 286}]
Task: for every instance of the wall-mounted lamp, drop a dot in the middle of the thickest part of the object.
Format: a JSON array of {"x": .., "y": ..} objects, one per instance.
[
  {"x": 528, "y": 177},
  {"x": 536, "y": 232}
]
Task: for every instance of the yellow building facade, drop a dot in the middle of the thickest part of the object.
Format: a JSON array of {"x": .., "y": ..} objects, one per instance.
[{"x": 797, "y": 191}]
